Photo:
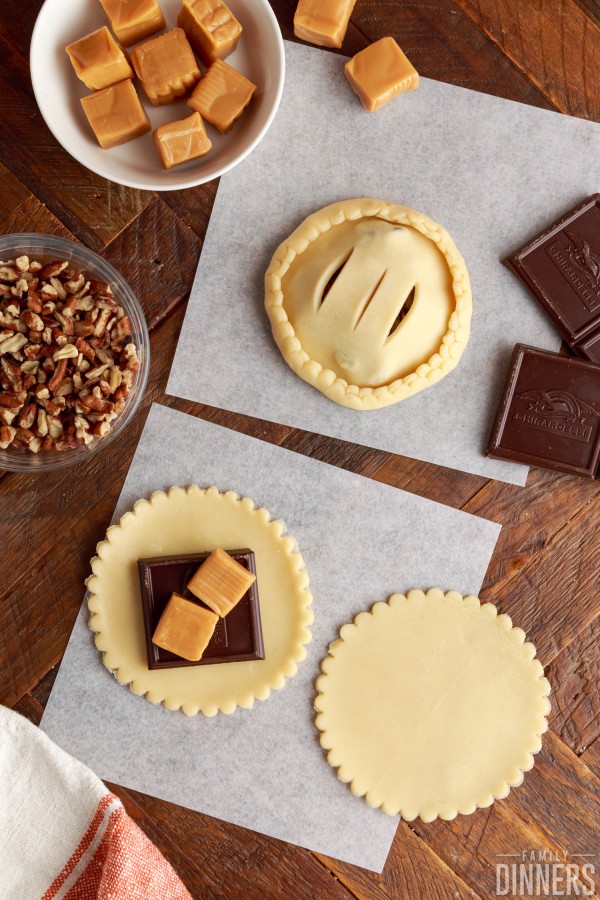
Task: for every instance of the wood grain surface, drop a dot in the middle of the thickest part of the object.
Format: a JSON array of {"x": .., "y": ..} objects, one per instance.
[{"x": 545, "y": 572}]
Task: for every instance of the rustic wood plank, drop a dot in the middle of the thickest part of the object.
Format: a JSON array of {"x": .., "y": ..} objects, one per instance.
[
  {"x": 591, "y": 758},
  {"x": 575, "y": 678},
  {"x": 12, "y": 192},
  {"x": 559, "y": 799},
  {"x": 412, "y": 870},
  {"x": 95, "y": 210},
  {"x": 158, "y": 255},
  {"x": 31, "y": 215},
  {"x": 531, "y": 517},
  {"x": 433, "y": 482},
  {"x": 554, "y": 42},
  {"x": 193, "y": 206},
  {"x": 556, "y": 595},
  {"x": 592, "y": 10},
  {"x": 473, "y": 845},
  {"x": 443, "y": 43}
]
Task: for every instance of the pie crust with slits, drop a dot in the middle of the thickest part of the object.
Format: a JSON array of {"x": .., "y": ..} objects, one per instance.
[{"x": 369, "y": 302}]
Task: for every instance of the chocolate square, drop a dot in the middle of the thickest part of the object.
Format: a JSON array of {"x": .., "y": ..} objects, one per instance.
[
  {"x": 561, "y": 268},
  {"x": 549, "y": 414},
  {"x": 237, "y": 637}
]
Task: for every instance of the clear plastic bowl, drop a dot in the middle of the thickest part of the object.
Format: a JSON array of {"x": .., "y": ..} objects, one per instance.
[{"x": 46, "y": 247}]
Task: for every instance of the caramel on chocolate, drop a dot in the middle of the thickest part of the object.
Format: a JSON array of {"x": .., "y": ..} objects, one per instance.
[
  {"x": 166, "y": 66},
  {"x": 179, "y": 142},
  {"x": 222, "y": 95},
  {"x": 236, "y": 638},
  {"x": 98, "y": 60},
  {"x": 116, "y": 114},
  {"x": 221, "y": 582},
  {"x": 380, "y": 72},
  {"x": 211, "y": 27},
  {"x": 185, "y": 628},
  {"x": 323, "y": 22},
  {"x": 133, "y": 20}
]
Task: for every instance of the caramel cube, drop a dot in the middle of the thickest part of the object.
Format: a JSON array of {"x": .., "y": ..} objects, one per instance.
[
  {"x": 211, "y": 27},
  {"x": 166, "y": 66},
  {"x": 116, "y": 114},
  {"x": 381, "y": 72},
  {"x": 185, "y": 628},
  {"x": 133, "y": 20},
  {"x": 221, "y": 582},
  {"x": 178, "y": 142},
  {"x": 222, "y": 95},
  {"x": 323, "y": 22},
  {"x": 98, "y": 60}
]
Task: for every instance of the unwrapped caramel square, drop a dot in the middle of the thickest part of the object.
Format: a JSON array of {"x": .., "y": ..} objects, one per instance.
[
  {"x": 211, "y": 27},
  {"x": 181, "y": 141},
  {"x": 133, "y": 20},
  {"x": 185, "y": 628},
  {"x": 221, "y": 582},
  {"x": 380, "y": 72},
  {"x": 116, "y": 114},
  {"x": 98, "y": 60},
  {"x": 323, "y": 22},
  {"x": 166, "y": 66},
  {"x": 222, "y": 95}
]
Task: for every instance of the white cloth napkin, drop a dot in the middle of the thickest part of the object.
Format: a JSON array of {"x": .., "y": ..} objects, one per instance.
[{"x": 63, "y": 834}]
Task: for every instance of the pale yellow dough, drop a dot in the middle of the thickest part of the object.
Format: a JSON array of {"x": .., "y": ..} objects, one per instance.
[
  {"x": 431, "y": 705},
  {"x": 188, "y": 521},
  {"x": 336, "y": 287}
]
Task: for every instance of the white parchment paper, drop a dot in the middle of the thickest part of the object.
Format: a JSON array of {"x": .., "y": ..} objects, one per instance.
[
  {"x": 492, "y": 171},
  {"x": 263, "y": 768}
]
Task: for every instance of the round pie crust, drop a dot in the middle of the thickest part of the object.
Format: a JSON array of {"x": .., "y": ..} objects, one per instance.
[
  {"x": 431, "y": 705},
  {"x": 356, "y": 337},
  {"x": 184, "y": 521}
]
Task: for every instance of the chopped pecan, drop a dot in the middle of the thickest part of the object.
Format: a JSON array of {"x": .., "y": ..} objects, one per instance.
[
  {"x": 67, "y": 362},
  {"x": 7, "y": 436}
]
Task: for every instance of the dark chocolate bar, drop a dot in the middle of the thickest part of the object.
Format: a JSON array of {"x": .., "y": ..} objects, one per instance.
[
  {"x": 237, "y": 637},
  {"x": 549, "y": 414},
  {"x": 561, "y": 268}
]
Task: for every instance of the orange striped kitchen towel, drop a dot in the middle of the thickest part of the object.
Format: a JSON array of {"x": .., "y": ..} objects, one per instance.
[{"x": 63, "y": 835}]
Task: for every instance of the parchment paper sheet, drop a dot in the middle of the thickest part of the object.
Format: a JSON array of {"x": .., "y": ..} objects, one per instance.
[
  {"x": 263, "y": 768},
  {"x": 492, "y": 171}
]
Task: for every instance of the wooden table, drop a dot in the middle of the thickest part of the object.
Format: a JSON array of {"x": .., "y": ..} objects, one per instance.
[{"x": 546, "y": 568}]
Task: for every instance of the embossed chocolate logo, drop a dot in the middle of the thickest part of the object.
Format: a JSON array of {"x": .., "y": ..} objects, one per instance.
[
  {"x": 580, "y": 265},
  {"x": 558, "y": 412}
]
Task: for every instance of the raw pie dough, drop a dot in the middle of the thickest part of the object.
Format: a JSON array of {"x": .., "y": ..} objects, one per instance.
[
  {"x": 188, "y": 521},
  {"x": 431, "y": 705},
  {"x": 369, "y": 302}
]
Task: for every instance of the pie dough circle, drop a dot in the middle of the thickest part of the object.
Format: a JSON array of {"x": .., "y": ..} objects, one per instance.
[
  {"x": 342, "y": 344},
  {"x": 184, "y": 521},
  {"x": 431, "y": 705}
]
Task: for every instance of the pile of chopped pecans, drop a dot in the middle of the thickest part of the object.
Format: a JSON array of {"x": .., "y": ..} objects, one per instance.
[{"x": 67, "y": 362}]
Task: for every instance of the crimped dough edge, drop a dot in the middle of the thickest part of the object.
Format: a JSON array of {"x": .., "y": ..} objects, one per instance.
[
  {"x": 325, "y": 380},
  {"x": 277, "y": 680},
  {"x": 510, "y": 780}
]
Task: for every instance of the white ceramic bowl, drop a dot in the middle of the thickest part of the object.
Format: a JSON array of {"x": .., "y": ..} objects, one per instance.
[{"x": 259, "y": 56}]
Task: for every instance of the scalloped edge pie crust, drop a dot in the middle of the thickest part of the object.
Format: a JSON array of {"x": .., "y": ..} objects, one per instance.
[
  {"x": 193, "y": 520},
  {"x": 409, "y": 754},
  {"x": 325, "y": 380}
]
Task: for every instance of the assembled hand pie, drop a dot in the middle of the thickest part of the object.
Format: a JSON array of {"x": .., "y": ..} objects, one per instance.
[{"x": 369, "y": 302}]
